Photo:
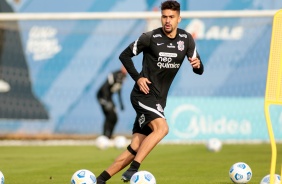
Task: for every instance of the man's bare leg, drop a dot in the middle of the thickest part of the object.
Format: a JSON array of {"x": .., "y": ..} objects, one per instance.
[
  {"x": 160, "y": 130},
  {"x": 122, "y": 160}
]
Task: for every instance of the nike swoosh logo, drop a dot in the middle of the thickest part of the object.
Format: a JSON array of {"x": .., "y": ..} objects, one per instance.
[{"x": 160, "y": 44}]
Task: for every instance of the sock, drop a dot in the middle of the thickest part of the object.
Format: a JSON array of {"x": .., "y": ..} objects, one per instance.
[
  {"x": 134, "y": 166},
  {"x": 104, "y": 176}
]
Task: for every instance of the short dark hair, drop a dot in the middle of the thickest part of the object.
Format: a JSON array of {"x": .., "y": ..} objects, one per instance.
[{"x": 171, "y": 5}]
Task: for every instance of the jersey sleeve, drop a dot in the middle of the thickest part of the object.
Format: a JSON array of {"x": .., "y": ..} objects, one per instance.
[
  {"x": 193, "y": 53},
  {"x": 141, "y": 43},
  {"x": 132, "y": 50}
]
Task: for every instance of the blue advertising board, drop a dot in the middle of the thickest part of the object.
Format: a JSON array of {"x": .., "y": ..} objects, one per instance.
[{"x": 229, "y": 119}]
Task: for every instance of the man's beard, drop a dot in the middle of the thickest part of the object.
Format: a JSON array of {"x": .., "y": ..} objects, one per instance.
[{"x": 167, "y": 31}]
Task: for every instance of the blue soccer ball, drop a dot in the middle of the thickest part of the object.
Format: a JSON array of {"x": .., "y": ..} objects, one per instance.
[
  {"x": 2, "y": 179},
  {"x": 143, "y": 177},
  {"x": 83, "y": 176},
  {"x": 266, "y": 179},
  {"x": 240, "y": 172}
]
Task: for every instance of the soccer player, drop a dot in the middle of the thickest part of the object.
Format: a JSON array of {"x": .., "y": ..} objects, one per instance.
[
  {"x": 112, "y": 85},
  {"x": 164, "y": 49}
]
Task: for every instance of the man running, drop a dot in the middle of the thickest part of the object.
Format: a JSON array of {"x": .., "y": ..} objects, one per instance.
[{"x": 164, "y": 49}]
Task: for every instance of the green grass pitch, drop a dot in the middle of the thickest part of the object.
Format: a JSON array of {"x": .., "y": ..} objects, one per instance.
[{"x": 177, "y": 164}]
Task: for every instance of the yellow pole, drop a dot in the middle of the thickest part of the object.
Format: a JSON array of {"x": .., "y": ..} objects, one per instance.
[{"x": 272, "y": 143}]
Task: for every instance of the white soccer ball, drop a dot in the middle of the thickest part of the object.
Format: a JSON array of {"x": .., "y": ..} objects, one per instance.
[
  {"x": 102, "y": 142},
  {"x": 120, "y": 142},
  {"x": 83, "y": 176},
  {"x": 214, "y": 145},
  {"x": 266, "y": 179},
  {"x": 2, "y": 179},
  {"x": 240, "y": 172},
  {"x": 143, "y": 177}
]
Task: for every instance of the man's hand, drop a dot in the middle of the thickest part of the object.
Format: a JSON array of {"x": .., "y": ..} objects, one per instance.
[
  {"x": 142, "y": 83},
  {"x": 195, "y": 62}
]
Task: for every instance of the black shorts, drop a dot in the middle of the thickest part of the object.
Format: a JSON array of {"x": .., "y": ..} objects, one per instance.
[{"x": 147, "y": 109}]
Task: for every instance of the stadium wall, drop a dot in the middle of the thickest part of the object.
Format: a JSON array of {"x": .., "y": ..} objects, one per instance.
[{"x": 64, "y": 63}]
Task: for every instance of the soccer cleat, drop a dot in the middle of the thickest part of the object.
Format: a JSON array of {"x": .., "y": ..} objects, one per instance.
[
  {"x": 126, "y": 176},
  {"x": 100, "y": 182}
]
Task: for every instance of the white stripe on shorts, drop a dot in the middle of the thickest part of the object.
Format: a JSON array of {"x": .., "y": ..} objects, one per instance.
[{"x": 150, "y": 109}]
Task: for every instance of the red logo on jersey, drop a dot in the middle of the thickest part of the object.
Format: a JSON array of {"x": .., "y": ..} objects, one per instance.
[{"x": 180, "y": 45}]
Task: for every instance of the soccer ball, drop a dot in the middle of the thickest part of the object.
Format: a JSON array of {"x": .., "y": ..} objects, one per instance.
[
  {"x": 120, "y": 142},
  {"x": 2, "y": 179},
  {"x": 214, "y": 145},
  {"x": 83, "y": 176},
  {"x": 102, "y": 142},
  {"x": 143, "y": 177},
  {"x": 240, "y": 172},
  {"x": 266, "y": 179}
]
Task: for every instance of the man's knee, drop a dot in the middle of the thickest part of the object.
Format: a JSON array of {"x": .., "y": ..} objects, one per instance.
[
  {"x": 165, "y": 130},
  {"x": 159, "y": 126}
]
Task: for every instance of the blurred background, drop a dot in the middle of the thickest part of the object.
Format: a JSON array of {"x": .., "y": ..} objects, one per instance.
[{"x": 50, "y": 70}]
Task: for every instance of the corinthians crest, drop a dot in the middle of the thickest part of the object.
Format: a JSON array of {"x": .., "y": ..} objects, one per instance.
[
  {"x": 159, "y": 108},
  {"x": 180, "y": 45}
]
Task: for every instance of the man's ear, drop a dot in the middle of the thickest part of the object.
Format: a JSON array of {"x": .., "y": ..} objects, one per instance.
[{"x": 179, "y": 19}]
